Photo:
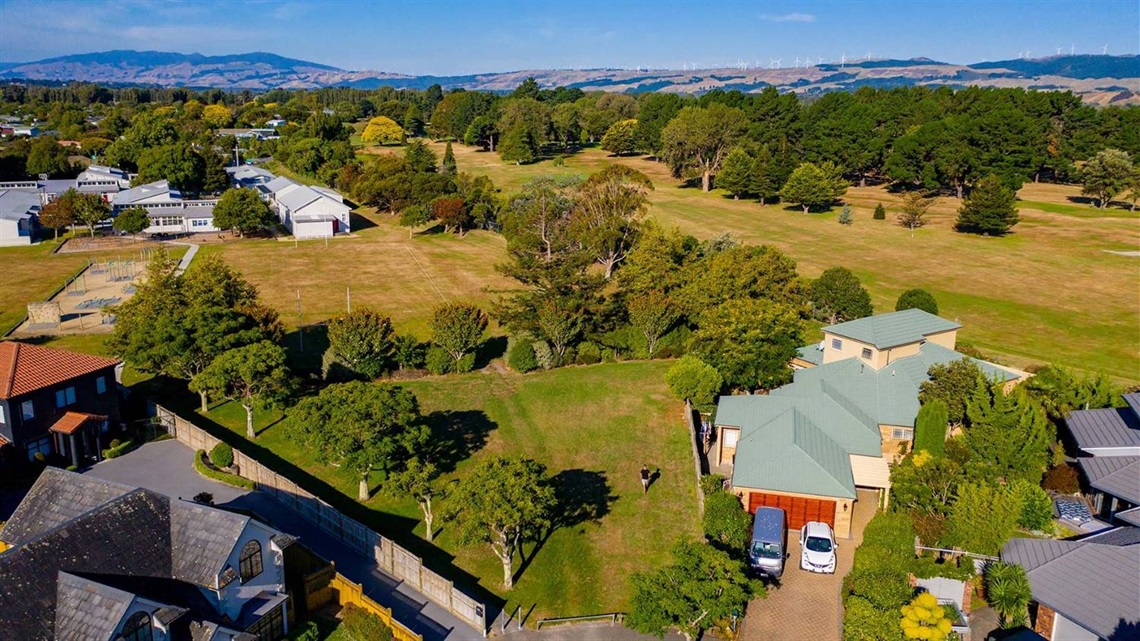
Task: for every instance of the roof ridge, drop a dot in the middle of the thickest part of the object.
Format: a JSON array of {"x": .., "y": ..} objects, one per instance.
[{"x": 7, "y": 388}]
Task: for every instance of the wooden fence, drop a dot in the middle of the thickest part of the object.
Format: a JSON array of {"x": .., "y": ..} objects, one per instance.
[
  {"x": 390, "y": 558},
  {"x": 346, "y": 592},
  {"x": 694, "y": 438}
]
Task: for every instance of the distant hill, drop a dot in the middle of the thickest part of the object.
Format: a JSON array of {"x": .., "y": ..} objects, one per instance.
[{"x": 1097, "y": 79}]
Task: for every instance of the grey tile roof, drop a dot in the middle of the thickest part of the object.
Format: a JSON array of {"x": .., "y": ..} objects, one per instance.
[
  {"x": 1092, "y": 583},
  {"x": 56, "y": 498},
  {"x": 202, "y": 539},
  {"x": 1115, "y": 475},
  {"x": 88, "y": 610},
  {"x": 1121, "y": 536},
  {"x": 893, "y": 329},
  {"x": 1131, "y": 517},
  {"x": 1105, "y": 428}
]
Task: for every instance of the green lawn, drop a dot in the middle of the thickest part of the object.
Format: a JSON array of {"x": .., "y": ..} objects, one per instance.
[{"x": 592, "y": 426}]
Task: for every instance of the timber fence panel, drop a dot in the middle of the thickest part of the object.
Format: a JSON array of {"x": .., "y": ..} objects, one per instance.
[{"x": 434, "y": 586}]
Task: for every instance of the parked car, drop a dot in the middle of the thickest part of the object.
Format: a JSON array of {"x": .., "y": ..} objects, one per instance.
[
  {"x": 817, "y": 543},
  {"x": 769, "y": 541}
]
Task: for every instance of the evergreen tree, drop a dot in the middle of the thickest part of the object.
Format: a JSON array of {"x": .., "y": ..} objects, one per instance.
[
  {"x": 917, "y": 299},
  {"x": 518, "y": 146},
  {"x": 813, "y": 185},
  {"x": 448, "y": 166},
  {"x": 420, "y": 156},
  {"x": 880, "y": 212},
  {"x": 1009, "y": 435},
  {"x": 414, "y": 121},
  {"x": 989, "y": 209},
  {"x": 837, "y": 296},
  {"x": 735, "y": 175},
  {"x": 930, "y": 428},
  {"x": 762, "y": 181}
]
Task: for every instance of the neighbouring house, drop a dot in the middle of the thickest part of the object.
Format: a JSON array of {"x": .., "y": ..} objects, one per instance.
[
  {"x": 19, "y": 220},
  {"x": 1109, "y": 443},
  {"x": 276, "y": 122},
  {"x": 1084, "y": 589},
  {"x": 92, "y": 559},
  {"x": 308, "y": 212},
  {"x": 257, "y": 134},
  {"x": 55, "y": 403},
  {"x": 26, "y": 130},
  {"x": 808, "y": 446},
  {"x": 169, "y": 210}
]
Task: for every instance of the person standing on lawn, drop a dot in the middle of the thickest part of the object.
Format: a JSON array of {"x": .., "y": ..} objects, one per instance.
[{"x": 644, "y": 479}]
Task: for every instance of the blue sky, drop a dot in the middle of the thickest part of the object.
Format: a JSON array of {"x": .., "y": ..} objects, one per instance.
[{"x": 466, "y": 37}]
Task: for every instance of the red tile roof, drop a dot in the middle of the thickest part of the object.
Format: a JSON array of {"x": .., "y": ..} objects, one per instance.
[
  {"x": 72, "y": 421},
  {"x": 25, "y": 368}
]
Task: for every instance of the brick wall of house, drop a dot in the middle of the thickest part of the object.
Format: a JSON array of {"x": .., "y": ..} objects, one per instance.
[{"x": 1043, "y": 623}]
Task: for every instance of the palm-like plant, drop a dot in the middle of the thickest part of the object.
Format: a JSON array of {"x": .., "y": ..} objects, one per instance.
[{"x": 1008, "y": 591}]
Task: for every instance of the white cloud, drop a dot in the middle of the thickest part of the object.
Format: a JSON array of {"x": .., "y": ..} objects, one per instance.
[{"x": 789, "y": 17}]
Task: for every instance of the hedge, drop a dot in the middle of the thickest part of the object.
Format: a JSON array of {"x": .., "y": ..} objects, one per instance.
[
  {"x": 118, "y": 450},
  {"x": 362, "y": 625},
  {"x": 203, "y": 467}
]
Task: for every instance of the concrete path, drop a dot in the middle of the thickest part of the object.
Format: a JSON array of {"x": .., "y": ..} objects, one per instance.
[
  {"x": 186, "y": 258},
  {"x": 806, "y": 605},
  {"x": 167, "y": 467}
]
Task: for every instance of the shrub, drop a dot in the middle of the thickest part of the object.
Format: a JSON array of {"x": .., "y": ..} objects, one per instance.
[
  {"x": 884, "y": 587},
  {"x": 409, "y": 353},
  {"x": 466, "y": 363},
  {"x": 880, "y": 212},
  {"x": 115, "y": 443},
  {"x": 862, "y": 621},
  {"x": 845, "y": 215},
  {"x": 335, "y": 369},
  {"x": 1062, "y": 479},
  {"x": 726, "y": 523},
  {"x": 693, "y": 379},
  {"x": 589, "y": 353},
  {"x": 222, "y": 455},
  {"x": 202, "y": 467},
  {"x": 1036, "y": 506},
  {"x": 672, "y": 345},
  {"x": 362, "y": 624},
  {"x": 917, "y": 299},
  {"x": 116, "y": 451},
  {"x": 712, "y": 483},
  {"x": 1008, "y": 592},
  {"x": 520, "y": 356},
  {"x": 72, "y": 468},
  {"x": 310, "y": 632},
  {"x": 891, "y": 530},
  {"x": 438, "y": 360},
  {"x": 543, "y": 355},
  {"x": 923, "y": 618}
]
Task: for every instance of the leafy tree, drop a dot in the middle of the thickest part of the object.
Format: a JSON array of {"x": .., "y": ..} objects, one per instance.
[
  {"x": 363, "y": 339},
  {"x": 917, "y": 299},
  {"x": 620, "y": 138},
  {"x": 217, "y": 116},
  {"x": 382, "y": 130},
  {"x": 930, "y": 428},
  {"x": 254, "y": 376},
  {"x": 813, "y": 185},
  {"x": 1036, "y": 506},
  {"x": 452, "y": 212},
  {"x": 448, "y": 166},
  {"x": 923, "y": 618},
  {"x": 503, "y": 501},
  {"x": 1008, "y": 592},
  {"x": 654, "y": 112},
  {"x": 749, "y": 341},
  {"x": 483, "y": 131},
  {"x": 1059, "y": 390},
  {"x": 560, "y": 325},
  {"x": 837, "y": 296},
  {"x": 658, "y": 261},
  {"x": 989, "y": 209},
  {"x": 178, "y": 164},
  {"x": 420, "y": 156},
  {"x": 60, "y": 212},
  {"x": 414, "y": 120},
  {"x": 880, "y": 212},
  {"x": 697, "y": 140},
  {"x": 914, "y": 208},
  {"x": 735, "y": 176},
  {"x": 47, "y": 156},
  {"x": 741, "y": 272},
  {"x": 524, "y": 123},
  {"x": 418, "y": 480},
  {"x": 982, "y": 518},
  {"x": 924, "y": 484},
  {"x": 691, "y": 378},
  {"x": 458, "y": 328},
  {"x": 358, "y": 427},
  {"x": 607, "y": 212},
  {"x": 131, "y": 221},
  {"x": 1008, "y": 436},
  {"x": 242, "y": 210},
  {"x": 214, "y": 177},
  {"x": 564, "y": 120},
  {"x": 1104, "y": 176},
  {"x": 91, "y": 210},
  {"x": 952, "y": 383},
  {"x": 726, "y": 523},
  {"x": 701, "y": 586},
  {"x": 519, "y": 146},
  {"x": 653, "y": 314}
]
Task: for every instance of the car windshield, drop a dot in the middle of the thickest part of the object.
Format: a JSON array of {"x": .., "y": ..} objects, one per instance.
[
  {"x": 816, "y": 544},
  {"x": 766, "y": 550}
]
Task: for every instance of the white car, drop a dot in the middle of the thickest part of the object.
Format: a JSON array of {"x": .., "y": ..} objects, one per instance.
[{"x": 817, "y": 545}]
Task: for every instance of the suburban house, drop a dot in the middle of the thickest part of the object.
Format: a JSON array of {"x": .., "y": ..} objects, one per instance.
[
  {"x": 170, "y": 212},
  {"x": 308, "y": 212},
  {"x": 255, "y": 133},
  {"x": 1086, "y": 589},
  {"x": 276, "y": 122},
  {"x": 55, "y": 402},
  {"x": 18, "y": 217},
  {"x": 807, "y": 446},
  {"x": 92, "y": 559},
  {"x": 1109, "y": 444}
]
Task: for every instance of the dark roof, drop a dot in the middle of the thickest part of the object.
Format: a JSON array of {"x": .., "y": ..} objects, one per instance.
[
  {"x": 25, "y": 368},
  {"x": 1105, "y": 428},
  {"x": 56, "y": 498},
  {"x": 1092, "y": 582},
  {"x": 202, "y": 540},
  {"x": 1118, "y": 476},
  {"x": 1121, "y": 536},
  {"x": 88, "y": 610}
]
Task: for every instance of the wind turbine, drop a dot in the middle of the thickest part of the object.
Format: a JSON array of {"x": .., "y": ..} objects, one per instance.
[
  {"x": 1072, "y": 49},
  {"x": 1059, "y": 50},
  {"x": 775, "y": 63},
  {"x": 869, "y": 54},
  {"x": 1104, "y": 50},
  {"x": 842, "y": 59},
  {"x": 1020, "y": 55},
  {"x": 1027, "y": 54},
  {"x": 821, "y": 60},
  {"x": 797, "y": 62}
]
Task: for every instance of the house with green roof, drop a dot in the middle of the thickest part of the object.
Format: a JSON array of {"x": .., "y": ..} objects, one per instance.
[{"x": 808, "y": 446}]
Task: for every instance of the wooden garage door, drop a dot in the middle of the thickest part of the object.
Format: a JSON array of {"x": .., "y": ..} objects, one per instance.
[{"x": 799, "y": 510}]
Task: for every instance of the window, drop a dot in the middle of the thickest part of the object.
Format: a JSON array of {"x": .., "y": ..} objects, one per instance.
[
  {"x": 199, "y": 222},
  {"x": 269, "y": 627},
  {"x": 27, "y": 410},
  {"x": 65, "y": 397},
  {"x": 168, "y": 221},
  {"x": 101, "y": 385},
  {"x": 867, "y": 352},
  {"x": 137, "y": 628},
  {"x": 836, "y": 343},
  {"x": 249, "y": 563},
  {"x": 730, "y": 437},
  {"x": 39, "y": 446},
  {"x": 1, "y": 414},
  {"x": 902, "y": 434}
]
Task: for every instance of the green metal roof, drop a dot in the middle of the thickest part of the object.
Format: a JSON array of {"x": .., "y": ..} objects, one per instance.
[
  {"x": 791, "y": 454},
  {"x": 894, "y": 329},
  {"x": 811, "y": 353}
]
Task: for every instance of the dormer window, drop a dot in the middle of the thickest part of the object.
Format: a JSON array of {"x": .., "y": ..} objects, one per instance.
[
  {"x": 138, "y": 628},
  {"x": 249, "y": 563}
]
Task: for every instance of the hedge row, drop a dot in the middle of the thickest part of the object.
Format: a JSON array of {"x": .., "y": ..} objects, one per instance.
[
  {"x": 203, "y": 467},
  {"x": 118, "y": 449}
]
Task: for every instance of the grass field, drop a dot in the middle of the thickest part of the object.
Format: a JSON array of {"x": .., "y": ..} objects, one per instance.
[{"x": 593, "y": 436}]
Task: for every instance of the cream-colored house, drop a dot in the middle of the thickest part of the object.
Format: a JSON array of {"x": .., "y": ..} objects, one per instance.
[{"x": 849, "y": 413}]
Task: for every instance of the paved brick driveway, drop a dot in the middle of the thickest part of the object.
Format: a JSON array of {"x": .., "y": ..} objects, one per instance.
[{"x": 805, "y": 606}]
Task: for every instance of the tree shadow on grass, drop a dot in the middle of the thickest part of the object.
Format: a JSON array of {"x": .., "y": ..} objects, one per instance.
[
  {"x": 581, "y": 497},
  {"x": 315, "y": 339},
  {"x": 489, "y": 350},
  {"x": 455, "y": 436}
]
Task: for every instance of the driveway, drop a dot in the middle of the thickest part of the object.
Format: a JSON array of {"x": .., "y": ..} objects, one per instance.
[
  {"x": 167, "y": 467},
  {"x": 806, "y": 605}
]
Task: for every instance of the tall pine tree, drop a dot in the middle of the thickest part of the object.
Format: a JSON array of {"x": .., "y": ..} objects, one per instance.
[
  {"x": 448, "y": 166},
  {"x": 989, "y": 209}
]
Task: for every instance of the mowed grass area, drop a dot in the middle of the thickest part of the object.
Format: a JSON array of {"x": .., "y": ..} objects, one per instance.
[
  {"x": 1046, "y": 293},
  {"x": 592, "y": 426},
  {"x": 32, "y": 273}
]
